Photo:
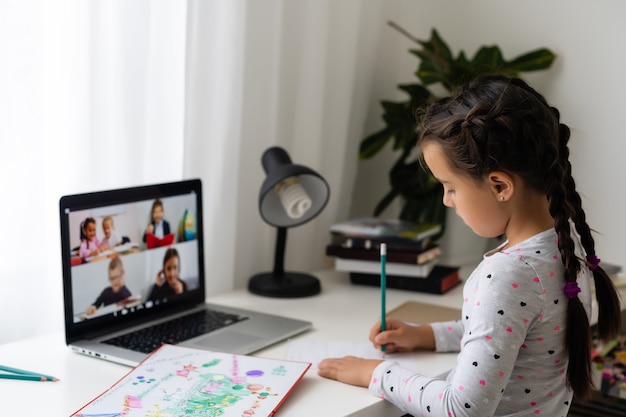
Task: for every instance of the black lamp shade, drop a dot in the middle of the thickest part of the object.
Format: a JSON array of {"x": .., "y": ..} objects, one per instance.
[
  {"x": 300, "y": 206},
  {"x": 278, "y": 167}
]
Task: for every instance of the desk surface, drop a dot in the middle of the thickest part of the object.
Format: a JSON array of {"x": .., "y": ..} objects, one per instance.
[{"x": 342, "y": 312}]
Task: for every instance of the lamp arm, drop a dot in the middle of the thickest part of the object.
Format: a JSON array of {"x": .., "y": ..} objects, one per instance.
[{"x": 279, "y": 254}]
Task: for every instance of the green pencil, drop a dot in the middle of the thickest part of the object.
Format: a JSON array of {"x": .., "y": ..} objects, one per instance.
[
  {"x": 383, "y": 285},
  {"x": 24, "y": 372},
  {"x": 24, "y": 377}
]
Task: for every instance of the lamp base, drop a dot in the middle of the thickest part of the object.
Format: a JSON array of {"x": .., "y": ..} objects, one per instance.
[{"x": 286, "y": 285}]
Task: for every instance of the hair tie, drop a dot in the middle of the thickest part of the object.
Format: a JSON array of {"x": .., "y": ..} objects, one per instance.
[
  {"x": 593, "y": 262},
  {"x": 571, "y": 289}
]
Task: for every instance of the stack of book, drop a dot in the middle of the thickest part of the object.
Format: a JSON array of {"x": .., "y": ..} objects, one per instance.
[{"x": 412, "y": 256}]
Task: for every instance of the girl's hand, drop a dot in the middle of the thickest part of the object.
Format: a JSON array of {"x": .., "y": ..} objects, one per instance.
[
  {"x": 160, "y": 278},
  {"x": 349, "y": 369},
  {"x": 402, "y": 337},
  {"x": 150, "y": 228},
  {"x": 178, "y": 287}
]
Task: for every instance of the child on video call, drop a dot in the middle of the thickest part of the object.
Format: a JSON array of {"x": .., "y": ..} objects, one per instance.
[
  {"x": 168, "y": 281},
  {"x": 89, "y": 242},
  {"x": 111, "y": 237},
  {"x": 523, "y": 336},
  {"x": 158, "y": 226},
  {"x": 116, "y": 292}
]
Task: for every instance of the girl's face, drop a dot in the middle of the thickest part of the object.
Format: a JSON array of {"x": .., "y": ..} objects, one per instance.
[
  {"x": 157, "y": 214},
  {"x": 473, "y": 201},
  {"x": 106, "y": 228},
  {"x": 171, "y": 270},
  {"x": 90, "y": 230}
]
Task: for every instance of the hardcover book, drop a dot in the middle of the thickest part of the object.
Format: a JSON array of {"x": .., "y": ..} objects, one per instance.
[
  {"x": 416, "y": 257},
  {"x": 391, "y": 268},
  {"x": 374, "y": 243},
  {"x": 387, "y": 228},
  {"x": 440, "y": 280}
]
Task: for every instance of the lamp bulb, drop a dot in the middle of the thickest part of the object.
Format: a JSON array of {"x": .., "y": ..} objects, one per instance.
[{"x": 294, "y": 199}]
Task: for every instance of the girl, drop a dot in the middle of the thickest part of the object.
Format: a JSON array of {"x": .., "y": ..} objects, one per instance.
[
  {"x": 168, "y": 281},
  {"x": 157, "y": 226},
  {"x": 523, "y": 338},
  {"x": 111, "y": 237},
  {"x": 89, "y": 242}
]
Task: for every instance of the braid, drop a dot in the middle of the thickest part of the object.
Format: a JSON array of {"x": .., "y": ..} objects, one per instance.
[
  {"x": 566, "y": 204},
  {"x": 609, "y": 313},
  {"x": 578, "y": 332}
]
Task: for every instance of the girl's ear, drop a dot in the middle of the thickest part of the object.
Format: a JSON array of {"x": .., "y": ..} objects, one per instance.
[{"x": 501, "y": 184}]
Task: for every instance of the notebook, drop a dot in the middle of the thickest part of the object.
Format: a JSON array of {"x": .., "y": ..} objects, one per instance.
[
  {"x": 114, "y": 296},
  {"x": 177, "y": 381}
]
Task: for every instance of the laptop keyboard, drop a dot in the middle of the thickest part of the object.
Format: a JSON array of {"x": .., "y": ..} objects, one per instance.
[{"x": 175, "y": 331}]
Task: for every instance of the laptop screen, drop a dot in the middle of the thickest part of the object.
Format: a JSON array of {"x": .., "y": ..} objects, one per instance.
[{"x": 130, "y": 254}]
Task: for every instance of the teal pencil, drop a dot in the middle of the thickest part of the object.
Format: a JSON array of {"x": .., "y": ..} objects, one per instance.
[
  {"x": 383, "y": 286},
  {"x": 24, "y": 377},
  {"x": 24, "y": 372}
]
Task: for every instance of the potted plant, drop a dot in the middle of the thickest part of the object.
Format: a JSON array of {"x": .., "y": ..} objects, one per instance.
[{"x": 421, "y": 194}]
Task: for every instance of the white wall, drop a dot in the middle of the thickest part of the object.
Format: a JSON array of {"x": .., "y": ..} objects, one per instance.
[{"x": 586, "y": 83}]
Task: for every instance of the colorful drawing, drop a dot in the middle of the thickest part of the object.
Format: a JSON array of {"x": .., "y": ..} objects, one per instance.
[{"x": 183, "y": 382}]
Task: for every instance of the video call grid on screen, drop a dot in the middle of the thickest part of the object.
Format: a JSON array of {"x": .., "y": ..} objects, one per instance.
[{"x": 141, "y": 264}]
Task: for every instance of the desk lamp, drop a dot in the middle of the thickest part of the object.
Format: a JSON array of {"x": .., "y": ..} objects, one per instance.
[{"x": 290, "y": 195}]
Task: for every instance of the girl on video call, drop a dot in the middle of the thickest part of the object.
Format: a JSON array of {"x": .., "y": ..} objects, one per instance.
[{"x": 168, "y": 281}]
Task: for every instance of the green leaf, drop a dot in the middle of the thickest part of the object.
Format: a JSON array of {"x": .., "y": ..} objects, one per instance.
[
  {"x": 437, "y": 49},
  {"x": 372, "y": 144},
  {"x": 532, "y": 61},
  {"x": 436, "y": 60},
  {"x": 397, "y": 114},
  {"x": 420, "y": 95},
  {"x": 405, "y": 137},
  {"x": 488, "y": 59}
]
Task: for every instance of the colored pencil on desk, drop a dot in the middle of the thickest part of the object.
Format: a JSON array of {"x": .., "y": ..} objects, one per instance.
[
  {"x": 25, "y": 372},
  {"x": 383, "y": 285},
  {"x": 23, "y": 377}
]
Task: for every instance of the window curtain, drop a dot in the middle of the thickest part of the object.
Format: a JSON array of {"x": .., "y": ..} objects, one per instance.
[
  {"x": 292, "y": 74},
  {"x": 91, "y": 97},
  {"x": 113, "y": 93}
]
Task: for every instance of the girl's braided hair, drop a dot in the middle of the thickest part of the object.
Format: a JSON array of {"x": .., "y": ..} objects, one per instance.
[{"x": 500, "y": 123}]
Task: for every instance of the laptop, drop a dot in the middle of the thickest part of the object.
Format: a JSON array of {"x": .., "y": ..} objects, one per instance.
[{"x": 115, "y": 295}]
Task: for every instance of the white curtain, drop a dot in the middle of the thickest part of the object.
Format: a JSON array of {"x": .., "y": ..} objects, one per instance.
[
  {"x": 91, "y": 97},
  {"x": 299, "y": 75},
  {"x": 110, "y": 93}
]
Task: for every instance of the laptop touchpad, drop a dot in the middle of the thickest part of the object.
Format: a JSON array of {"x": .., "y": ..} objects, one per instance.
[{"x": 226, "y": 341}]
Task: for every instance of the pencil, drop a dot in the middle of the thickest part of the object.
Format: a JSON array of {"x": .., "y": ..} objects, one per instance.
[
  {"x": 383, "y": 285},
  {"x": 24, "y": 377},
  {"x": 24, "y": 372}
]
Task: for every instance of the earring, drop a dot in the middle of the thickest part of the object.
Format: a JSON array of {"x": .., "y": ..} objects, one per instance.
[{"x": 502, "y": 198}]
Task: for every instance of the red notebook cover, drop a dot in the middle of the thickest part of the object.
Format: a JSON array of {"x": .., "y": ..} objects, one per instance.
[{"x": 154, "y": 242}]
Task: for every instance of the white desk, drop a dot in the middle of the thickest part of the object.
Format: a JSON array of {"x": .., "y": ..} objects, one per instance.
[{"x": 342, "y": 312}]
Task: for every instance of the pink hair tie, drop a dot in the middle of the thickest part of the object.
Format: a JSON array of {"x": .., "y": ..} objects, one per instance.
[
  {"x": 593, "y": 262},
  {"x": 571, "y": 289}
]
